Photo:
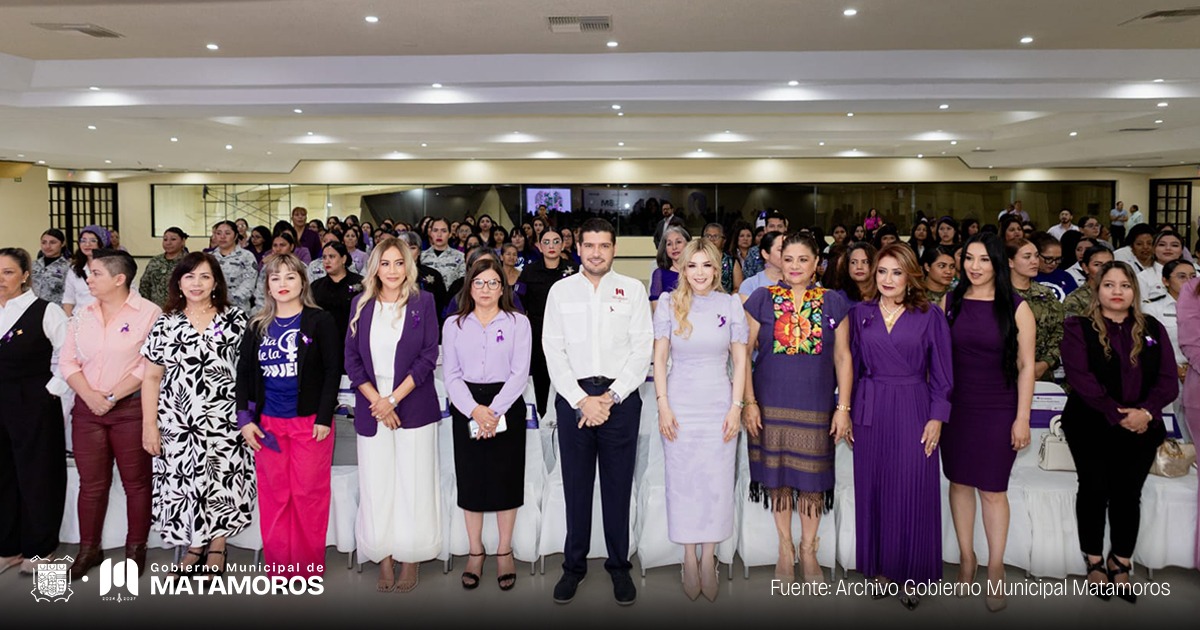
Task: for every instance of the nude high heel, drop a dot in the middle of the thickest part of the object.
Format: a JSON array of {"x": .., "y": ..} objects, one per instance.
[{"x": 819, "y": 576}]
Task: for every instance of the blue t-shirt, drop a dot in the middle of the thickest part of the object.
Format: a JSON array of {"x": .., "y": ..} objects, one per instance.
[
  {"x": 1059, "y": 282},
  {"x": 278, "y": 356}
]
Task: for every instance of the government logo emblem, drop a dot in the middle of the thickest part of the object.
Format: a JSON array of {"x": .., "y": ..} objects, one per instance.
[{"x": 50, "y": 580}]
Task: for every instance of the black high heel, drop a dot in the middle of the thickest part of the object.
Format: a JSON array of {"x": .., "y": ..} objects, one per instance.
[
  {"x": 188, "y": 569},
  {"x": 1123, "y": 590},
  {"x": 211, "y": 572},
  {"x": 1098, "y": 566},
  {"x": 470, "y": 581},
  {"x": 508, "y": 580}
]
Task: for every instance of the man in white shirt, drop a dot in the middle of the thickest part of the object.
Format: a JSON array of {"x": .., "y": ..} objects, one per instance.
[
  {"x": 1135, "y": 217},
  {"x": 598, "y": 339},
  {"x": 1064, "y": 225},
  {"x": 1118, "y": 216}
]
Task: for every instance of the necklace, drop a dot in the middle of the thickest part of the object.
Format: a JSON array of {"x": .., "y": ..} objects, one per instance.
[
  {"x": 204, "y": 311},
  {"x": 890, "y": 317},
  {"x": 289, "y": 321}
]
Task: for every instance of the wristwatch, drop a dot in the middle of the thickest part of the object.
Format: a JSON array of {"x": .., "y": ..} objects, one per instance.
[
  {"x": 392, "y": 400},
  {"x": 616, "y": 398}
]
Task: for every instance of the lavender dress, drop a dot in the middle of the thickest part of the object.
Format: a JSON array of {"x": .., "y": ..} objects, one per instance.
[{"x": 700, "y": 465}]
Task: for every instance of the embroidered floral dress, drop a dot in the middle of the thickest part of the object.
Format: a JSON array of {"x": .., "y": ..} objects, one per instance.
[
  {"x": 791, "y": 461},
  {"x": 204, "y": 482}
]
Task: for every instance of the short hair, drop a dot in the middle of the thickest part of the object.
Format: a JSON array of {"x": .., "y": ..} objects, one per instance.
[
  {"x": 775, "y": 214},
  {"x": 1138, "y": 230},
  {"x": 175, "y": 299},
  {"x": 714, "y": 225},
  {"x": 118, "y": 262},
  {"x": 597, "y": 224}
]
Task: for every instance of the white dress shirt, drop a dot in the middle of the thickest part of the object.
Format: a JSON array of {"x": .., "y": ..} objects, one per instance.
[
  {"x": 1162, "y": 308},
  {"x": 54, "y": 326},
  {"x": 604, "y": 331},
  {"x": 76, "y": 291},
  {"x": 1151, "y": 282},
  {"x": 1058, "y": 230}
]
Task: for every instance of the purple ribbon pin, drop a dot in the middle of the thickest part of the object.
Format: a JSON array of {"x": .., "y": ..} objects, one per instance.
[
  {"x": 9, "y": 336},
  {"x": 722, "y": 318},
  {"x": 1150, "y": 342},
  {"x": 499, "y": 335},
  {"x": 125, "y": 328},
  {"x": 218, "y": 331},
  {"x": 416, "y": 316},
  {"x": 305, "y": 339}
]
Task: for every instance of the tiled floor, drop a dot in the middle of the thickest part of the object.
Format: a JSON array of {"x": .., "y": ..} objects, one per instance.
[{"x": 349, "y": 597}]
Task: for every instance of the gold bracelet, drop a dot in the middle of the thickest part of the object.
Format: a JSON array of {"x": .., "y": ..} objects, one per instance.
[
  {"x": 749, "y": 402},
  {"x": 845, "y": 408}
]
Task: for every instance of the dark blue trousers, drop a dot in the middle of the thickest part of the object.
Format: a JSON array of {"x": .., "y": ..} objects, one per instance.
[{"x": 614, "y": 446}]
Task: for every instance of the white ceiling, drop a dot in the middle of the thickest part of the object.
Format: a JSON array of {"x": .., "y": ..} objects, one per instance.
[{"x": 685, "y": 72}]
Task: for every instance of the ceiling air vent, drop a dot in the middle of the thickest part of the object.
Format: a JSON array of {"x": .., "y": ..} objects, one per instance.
[
  {"x": 1168, "y": 16},
  {"x": 580, "y": 24},
  {"x": 1137, "y": 129},
  {"x": 89, "y": 29}
]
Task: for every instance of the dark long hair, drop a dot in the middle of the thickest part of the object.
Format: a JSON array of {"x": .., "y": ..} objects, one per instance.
[
  {"x": 220, "y": 294},
  {"x": 466, "y": 303},
  {"x": 80, "y": 260},
  {"x": 845, "y": 282},
  {"x": 1003, "y": 305}
]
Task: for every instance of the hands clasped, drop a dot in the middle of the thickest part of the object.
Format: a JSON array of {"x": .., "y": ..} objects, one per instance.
[{"x": 595, "y": 410}]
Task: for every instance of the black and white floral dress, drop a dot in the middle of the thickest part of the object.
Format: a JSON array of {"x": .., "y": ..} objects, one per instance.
[{"x": 204, "y": 482}]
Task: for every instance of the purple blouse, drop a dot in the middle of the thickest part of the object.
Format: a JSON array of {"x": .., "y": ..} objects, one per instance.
[
  {"x": 1084, "y": 382},
  {"x": 498, "y": 353}
]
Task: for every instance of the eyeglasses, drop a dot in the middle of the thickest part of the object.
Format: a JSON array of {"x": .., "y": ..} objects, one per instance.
[
  {"x": 1051, "y": 260},
  {"x": 89, "y": 241},
  {"x": 714, "y": 237},
  {"x": 490, "y": 284}
]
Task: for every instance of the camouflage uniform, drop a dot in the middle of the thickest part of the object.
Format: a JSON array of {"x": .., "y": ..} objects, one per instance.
[
  {"x": 49, "y": 280},
  {"x": 1077, "y": 302},
  {"x": 316, "y": 271},
  {"x": 1048, "y": 313},
  {"x": 450, "y": 263},
  {"x": 156, "y": 277},
  {"x": 240, "y": 270},
  {"x": 935, "y": 297}
]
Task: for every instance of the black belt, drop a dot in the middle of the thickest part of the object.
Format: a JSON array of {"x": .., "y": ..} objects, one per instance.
[{"x": 596, "y": 381}]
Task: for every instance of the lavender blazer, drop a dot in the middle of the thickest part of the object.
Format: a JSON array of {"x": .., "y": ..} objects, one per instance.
[{"x": 416, "y": 356}]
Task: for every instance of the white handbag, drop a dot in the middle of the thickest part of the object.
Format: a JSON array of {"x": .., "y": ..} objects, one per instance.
[{"x": 1054, "y": 453}]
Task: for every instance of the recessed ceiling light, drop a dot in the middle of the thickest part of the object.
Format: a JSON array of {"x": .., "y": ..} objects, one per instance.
[
  {"x": 620, "y": 113},
  {"x": 310, "y": 133},
  {"x": 94, "y": 88},
  {"x": 728, "y": 131},
  {"x": 793, "y": 83},
  {"x": 1158, "y": 80},
  {"x": 268, "y": 153},
  {"x": 298, "y": 111},
  {"x": 436, "y": 86},
  {"x": 229, "y": 147},
  {"x": 160, "y": 166},
  {"x": 978, "y": 148},
  {"x": 213, "y": 47},
  {"x": 1073, "y": 134},
  {"x": 516, "y": 132},
  {"x": 174, "y": 139},
  {"x": 108, "y": 161},
  {"x": 20, "y": 155},
  {"x": 943, "y": 153},
  {"x": 41, "y": 161},
  {"x": 943, "y": 106},
  {"x": 92, "y": 127},
  {"x": 920, "y": 155},
  {"x": 954, "y": 142},
  {"x": 850, "y": 114},
  {"x": 1158, "y": 122},
  {"x": 850, "y": 12},
  {"x": 371, "y": 18},
  {"x": 821, "y": 144},
  {"x": 1027, "y": 40},
  {"x": 699, "y": 150},
  {"x": 613, "y": 44},
  {"x": 424, "y": 144},
  {"x": 615, "y": 106},
  {"x": 991, "y": 167},
  {"x": 1163, "y": 104}
]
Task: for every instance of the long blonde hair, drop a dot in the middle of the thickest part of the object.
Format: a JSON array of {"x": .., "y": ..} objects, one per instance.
[
  {"x": 681, "y": 297},
  {"x": 276, "y": 264},
  {"x": 372, "y": 285},
  {"x": 1095, "y": 313}
]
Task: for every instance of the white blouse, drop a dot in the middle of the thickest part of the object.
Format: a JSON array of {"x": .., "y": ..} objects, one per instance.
[{"x": 387, "y": 326}]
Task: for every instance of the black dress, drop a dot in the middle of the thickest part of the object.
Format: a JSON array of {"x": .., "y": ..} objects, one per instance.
[{"x": 335, "y": 297}]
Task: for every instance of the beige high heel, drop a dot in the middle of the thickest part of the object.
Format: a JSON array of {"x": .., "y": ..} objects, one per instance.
[
  {"x": 691, "y": 590},
  {"x": 710, "y": 589},
  {"x": 819, "y": 576},
  {"x": 786, "y": 573}
]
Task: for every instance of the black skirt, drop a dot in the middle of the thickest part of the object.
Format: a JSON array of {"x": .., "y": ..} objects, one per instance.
[{"x": 490, "y": 473}]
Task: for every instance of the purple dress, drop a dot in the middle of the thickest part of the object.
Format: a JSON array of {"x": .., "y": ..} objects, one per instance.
[
  {"x": 977, "y": 442},
  {"x": 791, "y": 460},
  {"x": 700, "y": 464},
  {"x": 663, "y": 281},
  {"x": 903, "y": 379}
]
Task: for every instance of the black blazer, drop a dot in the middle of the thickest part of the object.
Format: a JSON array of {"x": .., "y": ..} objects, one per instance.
[{"x": 319, "y": 364}]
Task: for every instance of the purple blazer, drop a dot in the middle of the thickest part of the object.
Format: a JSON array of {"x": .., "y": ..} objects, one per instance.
[{"x": 416, "y": 356}]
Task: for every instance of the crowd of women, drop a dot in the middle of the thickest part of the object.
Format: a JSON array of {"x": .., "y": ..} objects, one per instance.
[{"x": 213, "y": 386}]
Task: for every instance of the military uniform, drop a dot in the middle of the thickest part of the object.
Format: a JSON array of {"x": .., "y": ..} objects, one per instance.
[
  {"x": 156, "y": 277},
  {"x": 1048, "y": 313},
  {"x": 1077, "y": 302},
  {"x": 49, "y": 280},
  {"x": 240, "y": 271},
  {"x": 450, "y": 263}
]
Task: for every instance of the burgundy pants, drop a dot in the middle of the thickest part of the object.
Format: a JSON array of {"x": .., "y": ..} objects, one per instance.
[{"x": 98, "y": 440}]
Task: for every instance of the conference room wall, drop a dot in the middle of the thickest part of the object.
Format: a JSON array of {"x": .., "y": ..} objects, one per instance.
[
  {"x": 135, "y": 189},
  {"x": 25, "y": 209}
]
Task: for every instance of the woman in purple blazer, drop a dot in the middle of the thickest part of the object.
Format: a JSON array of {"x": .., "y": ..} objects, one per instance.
[{"x": 391, "y": 352}]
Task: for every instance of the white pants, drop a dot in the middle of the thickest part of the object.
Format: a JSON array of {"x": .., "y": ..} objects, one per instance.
[{"x": 400, "y": 507}]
